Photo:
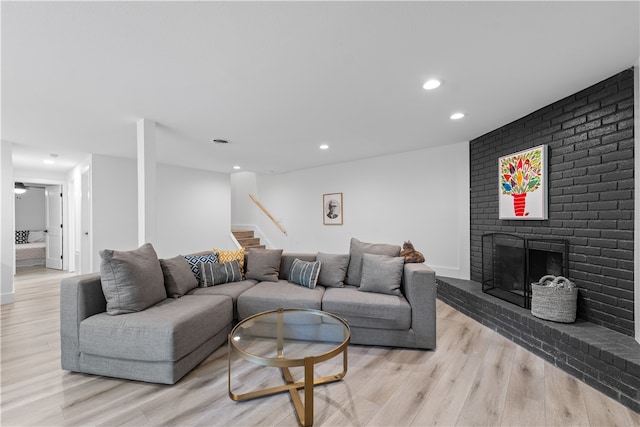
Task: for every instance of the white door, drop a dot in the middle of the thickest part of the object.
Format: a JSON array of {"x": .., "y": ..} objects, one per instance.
[
  {"x": 53, "y": 195},
  {"x": 85, "y": 239}
]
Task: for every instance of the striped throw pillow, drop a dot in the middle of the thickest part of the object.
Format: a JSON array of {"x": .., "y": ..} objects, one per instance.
[
  {"x": 304, "y": 273},
  {"x": 219, "y": 273}
]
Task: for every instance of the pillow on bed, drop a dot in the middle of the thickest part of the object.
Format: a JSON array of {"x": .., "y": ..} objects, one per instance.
[
  {"x": 35, "y": 236},
  {"x": 22, "y": 236}
]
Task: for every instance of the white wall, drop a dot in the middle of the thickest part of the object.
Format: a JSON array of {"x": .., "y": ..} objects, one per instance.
[
  {"x": 422, "y": 196},
  {"x": 7, "y": 236},
  {"x": 31, "y": 210},
  {"x": 243, "y": 210},
  {"x": 114, "y": 205},
  {"x": 193, "y": 210}
]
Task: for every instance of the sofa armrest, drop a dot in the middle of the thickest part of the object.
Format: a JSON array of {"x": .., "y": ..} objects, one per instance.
[
  {"x": 419, "y": 288},
  {"x": 80, "y": 297}
]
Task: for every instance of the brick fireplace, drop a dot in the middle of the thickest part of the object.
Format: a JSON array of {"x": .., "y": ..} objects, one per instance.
[{"x": 590, "y": 139}]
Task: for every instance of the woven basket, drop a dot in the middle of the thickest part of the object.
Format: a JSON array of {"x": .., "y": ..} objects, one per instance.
[{"x": 554, "y": 298}]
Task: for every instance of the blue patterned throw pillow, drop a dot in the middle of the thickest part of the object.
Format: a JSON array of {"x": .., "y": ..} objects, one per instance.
[
  {"x": 304, "y": 273},
  {"x": 195, "y": 260}
]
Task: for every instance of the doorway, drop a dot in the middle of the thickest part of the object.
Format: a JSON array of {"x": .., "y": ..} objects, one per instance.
[{"x": 39, "y": 227}]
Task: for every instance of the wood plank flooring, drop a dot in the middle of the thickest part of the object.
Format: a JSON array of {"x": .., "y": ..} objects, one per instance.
[{"x": 474, "y": 378}]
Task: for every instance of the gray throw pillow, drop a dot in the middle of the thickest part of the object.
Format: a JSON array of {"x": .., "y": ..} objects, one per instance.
[
  {"x": 358, "y": 249},
  {"x": 381, "y": 274},
  {"x": 219, "y": 273},
  {"x": 263, "y": 264},
  {"x": 131, "y": 280},
  {"x": 304, "y": 273},
  {"x": 178, "y": 277},
  {"x": 334, "y": 269}
]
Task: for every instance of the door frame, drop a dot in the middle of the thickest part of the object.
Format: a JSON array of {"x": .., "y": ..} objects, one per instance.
[{"x": 65, "y": 207}]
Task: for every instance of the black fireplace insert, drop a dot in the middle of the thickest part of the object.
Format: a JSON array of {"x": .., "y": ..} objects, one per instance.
[{"x": 510, "y": 263}]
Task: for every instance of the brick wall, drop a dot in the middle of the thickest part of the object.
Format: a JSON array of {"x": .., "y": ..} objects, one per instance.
[{"x": 591, "y": 166}]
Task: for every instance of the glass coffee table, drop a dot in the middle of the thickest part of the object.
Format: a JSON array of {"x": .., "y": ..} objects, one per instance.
[{"x": 286, "y": 338}]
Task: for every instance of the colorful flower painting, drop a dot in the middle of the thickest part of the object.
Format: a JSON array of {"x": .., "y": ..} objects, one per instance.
[{"x": 522, "y": 181}]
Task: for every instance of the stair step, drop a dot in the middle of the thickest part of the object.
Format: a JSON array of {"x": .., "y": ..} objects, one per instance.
[
  {"x": 243, "y": 234},
  {"x": 255, "y": 247},
  {"x": 253, "y": 241}
]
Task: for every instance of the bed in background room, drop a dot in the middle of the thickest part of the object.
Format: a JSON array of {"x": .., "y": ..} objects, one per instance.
[{"x": 31, "y": 248}]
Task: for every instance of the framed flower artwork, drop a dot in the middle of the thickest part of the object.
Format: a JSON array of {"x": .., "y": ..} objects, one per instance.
[{"x": 522, "y": 182}]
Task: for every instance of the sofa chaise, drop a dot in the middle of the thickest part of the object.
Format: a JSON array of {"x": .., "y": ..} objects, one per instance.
[{"x": 128, "y": 331}]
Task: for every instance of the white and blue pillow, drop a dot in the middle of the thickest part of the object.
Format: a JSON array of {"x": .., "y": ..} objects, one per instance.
[
  {"x": 304, "y": 273},
  {"x": 195, "y": 260}
]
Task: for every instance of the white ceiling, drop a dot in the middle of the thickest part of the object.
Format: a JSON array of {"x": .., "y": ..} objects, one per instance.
[{"x": 277, "y": 79}]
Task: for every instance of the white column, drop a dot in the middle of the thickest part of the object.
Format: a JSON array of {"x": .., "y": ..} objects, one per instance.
[
  {"x": 146, "y": 181},
  {"x": 7, "y": 213}
]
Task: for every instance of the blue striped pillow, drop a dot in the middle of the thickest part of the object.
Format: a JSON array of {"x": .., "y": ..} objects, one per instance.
[
  {"x": 214, "y": 273},
  {"x": 304, "y": 273}
]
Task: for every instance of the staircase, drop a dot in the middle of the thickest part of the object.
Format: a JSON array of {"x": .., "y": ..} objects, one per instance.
[{"x": 247, "y": 239}]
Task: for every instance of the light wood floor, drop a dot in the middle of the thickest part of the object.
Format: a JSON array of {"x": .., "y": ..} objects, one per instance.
[{"x": 474, "y": 378}]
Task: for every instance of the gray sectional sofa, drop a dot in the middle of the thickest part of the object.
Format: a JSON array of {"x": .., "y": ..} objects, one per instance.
[{"x": 163, "y": 339}]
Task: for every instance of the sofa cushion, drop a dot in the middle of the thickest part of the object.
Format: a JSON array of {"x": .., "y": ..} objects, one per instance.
[
  {"x": 357, "y": 249},
  {"x": 232, "y": 290},
  {"x": 195, "y": 260},
  {"x": 267, "y": 296},
  {"x": 304, "y": 273},
  {"x": 382, "y": 274},
  {"x": 228, "y": 256},
  {"x": 263, "y": 264},
  {"x": 131, "y": 280},
  {"x": 218, "y": 273},
  {"x": 334, "y": 269},
  {"x": 167, "y": 331},
  {"x": 178, "y": 278},
  {"x": 368, "y": 309}
]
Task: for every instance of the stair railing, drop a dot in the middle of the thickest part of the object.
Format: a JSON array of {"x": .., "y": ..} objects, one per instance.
[{"x": 266, "y": 212}]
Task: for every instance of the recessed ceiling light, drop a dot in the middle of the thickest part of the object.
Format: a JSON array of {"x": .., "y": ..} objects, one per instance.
[
  {"x": 431, "y": 84},
  {"x": 324, "y": 147},
  {"x": 51, "y": 160},
  {"x": 456, "y": 116},
  {"x": 236, "y": 167}
]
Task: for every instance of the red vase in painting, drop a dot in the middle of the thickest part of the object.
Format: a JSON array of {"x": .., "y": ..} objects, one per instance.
[{"x": 519, "y": 202}]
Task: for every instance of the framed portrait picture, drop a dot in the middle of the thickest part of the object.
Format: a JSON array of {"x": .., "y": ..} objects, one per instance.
[
  {"x": 332, "y": 209},
  {"x": 522, "y": 184}
]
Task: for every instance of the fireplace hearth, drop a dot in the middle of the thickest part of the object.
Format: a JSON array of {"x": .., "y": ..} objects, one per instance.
[{"x": 510, "y": 263}]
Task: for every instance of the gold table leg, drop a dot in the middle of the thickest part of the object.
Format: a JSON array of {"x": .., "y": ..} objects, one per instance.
[{"x": 303, "y": 411}]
